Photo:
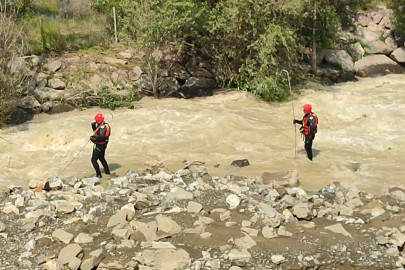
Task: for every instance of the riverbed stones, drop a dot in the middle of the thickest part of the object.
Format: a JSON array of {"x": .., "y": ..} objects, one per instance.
[
  {"x": 69, "y": 254},
  {"x": 62, "y": 236},
  {"x": 110, "y": 230},
  {"x": 166, "y": 225}
]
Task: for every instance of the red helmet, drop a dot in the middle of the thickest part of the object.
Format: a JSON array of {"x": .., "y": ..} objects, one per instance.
[
  {"x": 99, "y": 118},
  {"x": 307, "y": 108}
]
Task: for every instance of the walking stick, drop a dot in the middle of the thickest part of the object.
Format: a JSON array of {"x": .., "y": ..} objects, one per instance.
[{"x": 292, "y": 103}]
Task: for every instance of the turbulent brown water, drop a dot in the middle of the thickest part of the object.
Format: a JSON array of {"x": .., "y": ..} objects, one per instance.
[{"x": 359, "y": 122}]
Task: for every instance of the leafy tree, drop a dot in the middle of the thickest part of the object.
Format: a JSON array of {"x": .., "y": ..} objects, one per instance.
[
  {"x": 255, "y": 40},
  {"x": 159, "y": 28}
]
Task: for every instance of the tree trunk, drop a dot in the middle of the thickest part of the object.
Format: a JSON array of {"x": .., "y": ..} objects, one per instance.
[{"x": 314, "y": 56}]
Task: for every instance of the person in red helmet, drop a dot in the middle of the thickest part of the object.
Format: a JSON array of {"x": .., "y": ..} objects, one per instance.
[
  {"x": 102, "y": 132},
  {"x": 309, "y": 127}
]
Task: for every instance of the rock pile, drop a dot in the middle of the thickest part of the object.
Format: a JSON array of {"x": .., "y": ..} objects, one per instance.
[
  {"x": 72, "y": 77},
  {"x": 188, "y": 219},
  {"x": 373, "y": 48}
]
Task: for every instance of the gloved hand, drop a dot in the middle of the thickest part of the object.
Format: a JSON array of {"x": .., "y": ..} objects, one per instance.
[
  {"x": 295, "y": 121},
  {"x": 93, "y": 138},
  {"x": 94, "y": 125}
]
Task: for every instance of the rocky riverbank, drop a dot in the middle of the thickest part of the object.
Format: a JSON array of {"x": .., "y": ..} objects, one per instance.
[
  {"x": 189, "y": 219},
  {"x": 369, "y": 46}
]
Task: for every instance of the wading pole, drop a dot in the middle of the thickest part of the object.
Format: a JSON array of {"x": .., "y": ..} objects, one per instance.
[
  {"x": 78, "y": 153},
  {"x": 292, "y": 103}
]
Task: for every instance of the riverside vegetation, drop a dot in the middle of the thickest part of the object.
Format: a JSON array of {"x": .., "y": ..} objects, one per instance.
[{"x": 238, "y": 44}]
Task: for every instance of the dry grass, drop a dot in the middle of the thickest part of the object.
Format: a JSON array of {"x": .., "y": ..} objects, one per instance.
[{"x": 60, "y": 25}]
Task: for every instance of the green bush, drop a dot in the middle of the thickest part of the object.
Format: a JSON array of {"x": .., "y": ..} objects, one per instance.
[{"x": 13, "y": 77}]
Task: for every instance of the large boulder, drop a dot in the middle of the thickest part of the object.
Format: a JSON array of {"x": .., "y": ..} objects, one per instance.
[
  {"x": 377, "y": 65},
  {"x": 356, "y": 51},
  {"x": 339, "y": 58},
  {"x": 198, "y": 87},
  {"x": 19, "y": 115},
  {"x": 370, "y": 33},
  {"x": 379, "y": 47},
  {"x": 398, "y": 55}
]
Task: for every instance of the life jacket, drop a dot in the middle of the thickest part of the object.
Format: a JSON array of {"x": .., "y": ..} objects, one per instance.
[
  {"x": 309, "y": 122},
  {"x": 107, "y": 133}
]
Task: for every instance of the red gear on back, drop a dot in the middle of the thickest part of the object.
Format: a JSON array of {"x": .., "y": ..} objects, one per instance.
[
  {"x": 99, "y": 118},
  {"x": 307, "y": 108}
]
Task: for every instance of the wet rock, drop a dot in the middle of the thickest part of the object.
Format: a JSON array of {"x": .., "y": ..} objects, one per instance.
[
  {"x": 240, "y": 163},
  {"x": 61, "y": 108},
  {"x": 354, "y": 166},
  {"x": 198, "y": 87}
]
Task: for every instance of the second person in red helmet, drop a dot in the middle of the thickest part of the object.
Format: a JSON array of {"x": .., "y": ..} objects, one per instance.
[
  {"x": 309, "y": 127},
  {"x": 102, "y": 132}
]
